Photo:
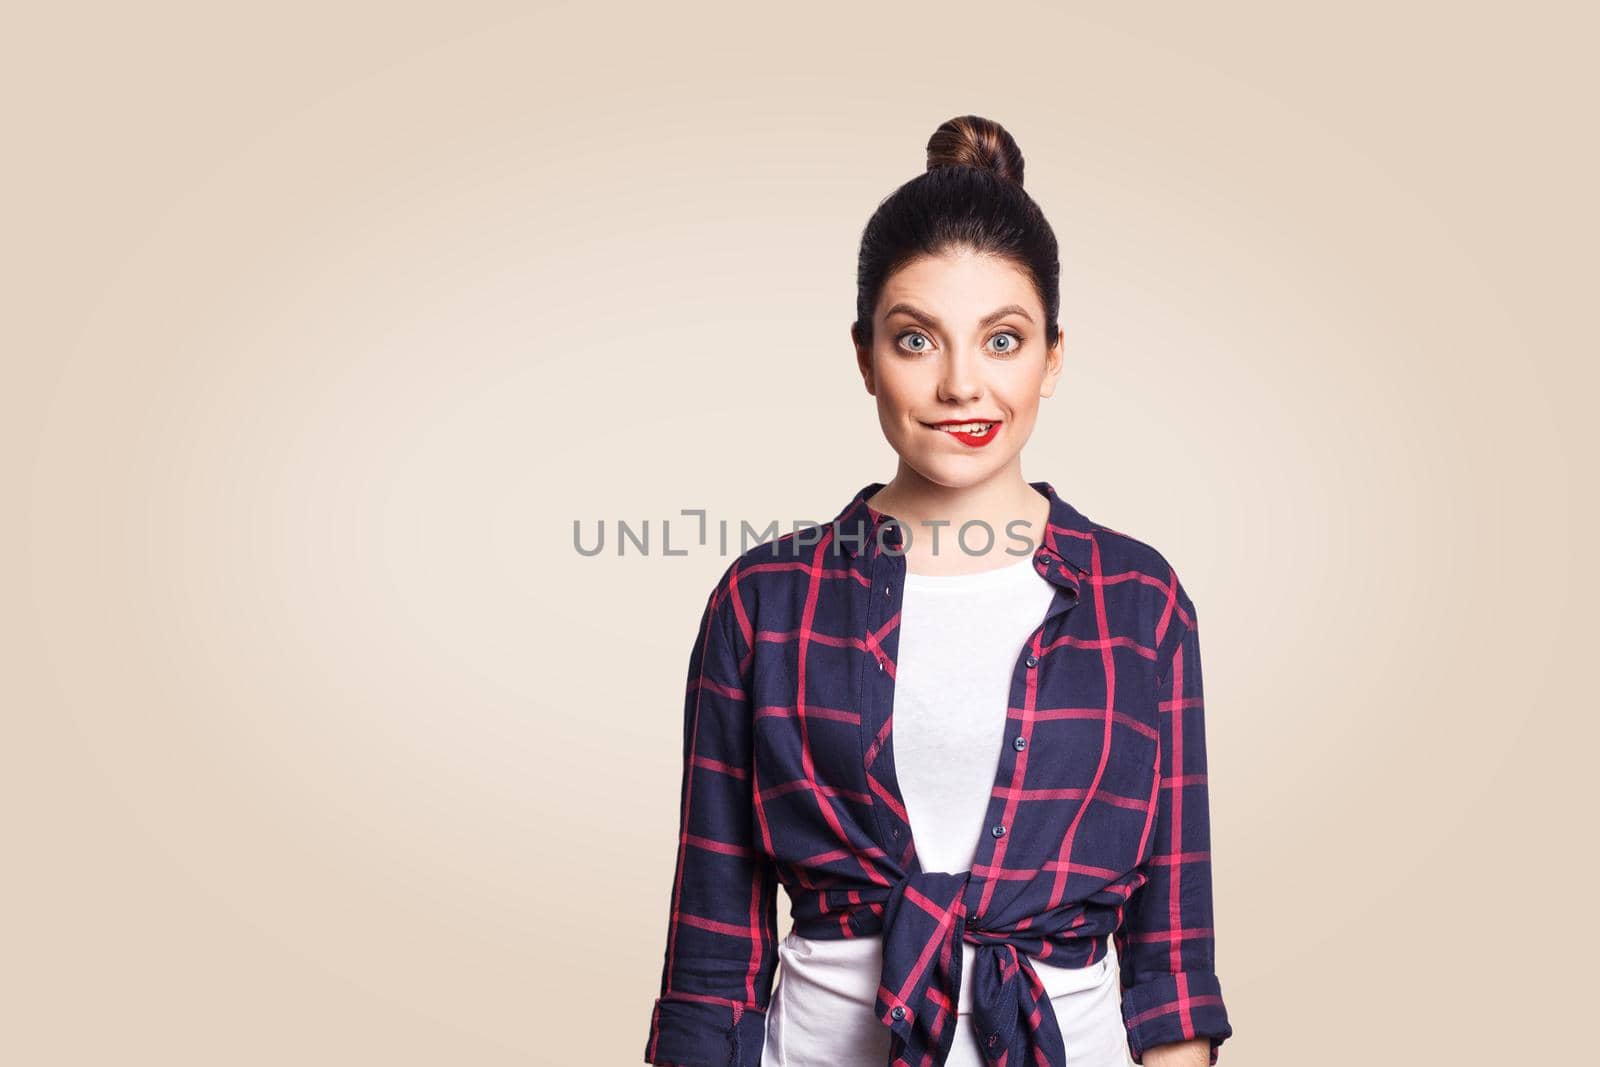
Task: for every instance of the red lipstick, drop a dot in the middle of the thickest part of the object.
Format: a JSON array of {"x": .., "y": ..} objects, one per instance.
[{"x": 969, "y": 438}]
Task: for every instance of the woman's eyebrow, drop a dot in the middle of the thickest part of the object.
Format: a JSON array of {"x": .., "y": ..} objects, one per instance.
[{"x": 933, "y": 323}]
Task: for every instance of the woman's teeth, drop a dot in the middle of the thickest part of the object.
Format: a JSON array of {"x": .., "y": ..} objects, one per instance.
[{"x": 968, "y": 427}]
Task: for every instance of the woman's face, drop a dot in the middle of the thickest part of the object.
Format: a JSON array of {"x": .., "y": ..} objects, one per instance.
[{"x": 958, "y": 339}]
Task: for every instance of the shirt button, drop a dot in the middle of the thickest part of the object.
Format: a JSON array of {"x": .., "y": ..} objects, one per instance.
[
  {"x": 1046, "y": 560},
  {"x": 898, "y": 1012},
  {"x": 972, "y": 919},
  {"x": 998, "y": 831},
  {"x": 1033, "y": 661},
  {"x": 885, "y": 590},
  {"x": 1019, "y": 743}
]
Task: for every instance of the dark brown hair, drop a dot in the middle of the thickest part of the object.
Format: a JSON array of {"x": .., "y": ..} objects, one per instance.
[{"x": 970, "y": 197}]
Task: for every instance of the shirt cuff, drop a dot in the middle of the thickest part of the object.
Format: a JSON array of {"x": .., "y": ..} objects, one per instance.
[
  {"x": 1166, "y": 1008},
  {"x": 705, "y": 1033}
]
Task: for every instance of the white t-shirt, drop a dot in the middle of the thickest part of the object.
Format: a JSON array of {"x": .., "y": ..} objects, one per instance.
[{"x": 960, "y": 637}]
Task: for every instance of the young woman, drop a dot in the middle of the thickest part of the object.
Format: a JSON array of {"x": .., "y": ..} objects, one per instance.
[{"x": 963, "y": 654}]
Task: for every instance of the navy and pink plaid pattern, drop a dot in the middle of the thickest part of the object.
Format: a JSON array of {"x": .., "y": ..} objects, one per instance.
[{"x": 1099, "y": 823}]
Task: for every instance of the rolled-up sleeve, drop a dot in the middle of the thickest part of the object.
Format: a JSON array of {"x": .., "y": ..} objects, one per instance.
[
  {"x": 721, "y": 947},
  {"x": 1167, "y": 943}
]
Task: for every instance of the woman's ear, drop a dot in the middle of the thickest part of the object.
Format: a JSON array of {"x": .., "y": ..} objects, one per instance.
[
  {"x": 863, "y": 361},
  {"x": 1054, "y": 360}
]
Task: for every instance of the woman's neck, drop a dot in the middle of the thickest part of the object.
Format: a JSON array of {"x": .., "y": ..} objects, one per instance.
[{"x": 1007, "y": 515}]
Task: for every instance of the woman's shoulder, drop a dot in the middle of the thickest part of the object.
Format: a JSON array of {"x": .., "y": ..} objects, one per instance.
[
  {"x": 1119, "y": 551},
  {"x": 1143, "y": 578},
  {"x": 769, "y": 584}
]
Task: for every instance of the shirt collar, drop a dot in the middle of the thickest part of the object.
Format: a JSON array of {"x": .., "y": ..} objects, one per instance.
[{"x": 1065, "y": 553}]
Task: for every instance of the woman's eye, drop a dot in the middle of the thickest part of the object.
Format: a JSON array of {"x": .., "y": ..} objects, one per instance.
[
  {"x": 912, "y": 335},
  {"x": 1015, "y": 342}
]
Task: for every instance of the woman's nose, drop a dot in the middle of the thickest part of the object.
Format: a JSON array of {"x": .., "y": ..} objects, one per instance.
[{"x": 959, "y": 380}]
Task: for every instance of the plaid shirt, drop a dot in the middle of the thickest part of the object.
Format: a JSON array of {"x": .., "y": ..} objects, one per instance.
[{"x": 1098, "y": 820}]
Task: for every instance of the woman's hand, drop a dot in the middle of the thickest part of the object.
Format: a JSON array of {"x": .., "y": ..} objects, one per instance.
[{"x": 1196, "y": 1053}]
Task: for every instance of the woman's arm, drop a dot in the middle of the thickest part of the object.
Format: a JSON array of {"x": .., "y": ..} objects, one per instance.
[
  {"x": 1171, "y": 996},
  {"x": 1196, "y": 1053},
  {"x": 721, "y": 951}
]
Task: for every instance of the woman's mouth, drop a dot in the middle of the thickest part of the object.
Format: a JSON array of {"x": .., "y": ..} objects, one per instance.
[{"x": 974, "y": 434}]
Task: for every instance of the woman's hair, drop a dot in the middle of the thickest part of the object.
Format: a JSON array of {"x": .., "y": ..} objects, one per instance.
[{"x": 970, "y": 198}]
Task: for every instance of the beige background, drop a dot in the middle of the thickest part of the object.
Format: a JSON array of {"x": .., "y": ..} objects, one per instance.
[{"x": 325, "y": 322}]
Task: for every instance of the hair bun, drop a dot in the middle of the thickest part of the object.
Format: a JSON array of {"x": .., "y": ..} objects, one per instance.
[{"x": 974, "y": 141}]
